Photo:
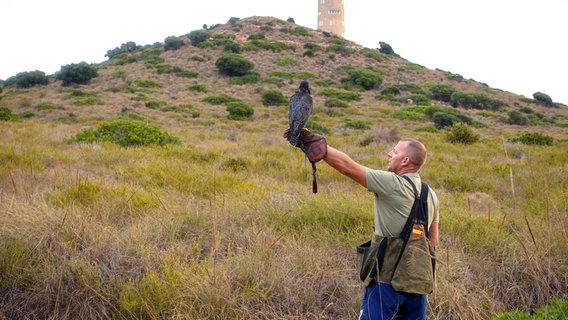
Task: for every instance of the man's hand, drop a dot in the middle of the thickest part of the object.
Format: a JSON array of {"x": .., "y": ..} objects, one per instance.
[{"x": 313, "y": 144}]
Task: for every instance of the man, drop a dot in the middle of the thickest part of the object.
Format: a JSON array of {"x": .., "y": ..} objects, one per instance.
[{"x": 394, "y": 197}]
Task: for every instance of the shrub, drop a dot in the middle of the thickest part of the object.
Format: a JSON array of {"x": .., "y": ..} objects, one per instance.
[
  {"x": 197, "y": 88},
  {"x": 78, "y": 73},
  {"x": 362, "y": 78},
  {"x": 273, "y": 98},
  {"x": 239, "y": 110},
  {"x": 419, "y": 99},
  {"x": 198, "y": 36},
  {"x": 335, "y": 103},
  {"x": 516, "y": 117},
  {"x": 188, "y": 74},
  {"x": 343, "y": 95},
  {"x": 27, "y": 79},
  {"x": 127, "y": 47},
  {"x": 442, "y": 92},
  {"x": 373, "y": 54},
  {"x": 251, "y": 77},
  {"x": 475, "y": 100},
  {"x": 126, "y": 133},
  {"x": 386, "y": 48},
  {"x": 233, "y": 64},
  {"x": 542, "y": 98},
  {"x": 442, "y": 120},
  {"x": 7, "y": 114},
  {"x": 173, "y": 43},
  {"x": 415, "y": 113},
  {"x": 286, "y": 61},
  {"x": 534, "y": 138},
  {"x": 154, "y": 104},
  {"x": 46, "y": 105},
  {"x": 461, "y": 133},
  {"x": 220, "y": 99},
  {"x": 147, "y": 84}
]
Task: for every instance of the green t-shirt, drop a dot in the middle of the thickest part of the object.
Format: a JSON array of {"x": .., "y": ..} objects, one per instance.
[{"x": 394, "y": 197}]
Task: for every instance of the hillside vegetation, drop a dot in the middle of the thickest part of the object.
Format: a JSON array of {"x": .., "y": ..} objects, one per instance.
[{"x": 157, "y": 184}]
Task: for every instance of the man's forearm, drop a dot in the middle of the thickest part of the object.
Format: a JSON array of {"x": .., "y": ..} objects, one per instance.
[{"x": 345, "y": 165}]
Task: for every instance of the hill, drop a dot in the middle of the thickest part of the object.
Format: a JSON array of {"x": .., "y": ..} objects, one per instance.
[
  {"x": 282, "y": 54},
  {"x": 223, "y": 224}
]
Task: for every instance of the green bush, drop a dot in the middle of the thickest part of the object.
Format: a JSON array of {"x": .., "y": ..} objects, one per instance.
[
  {"x": 335, "y": 103},
  {"x": 515, "y": 117},
  {"x": 461, "y": 133},
  {"x": 127, "y": 47},
  {"x": 197, "y": 88},
  {"x": 147, "y": 84},
  {"x": 198, "y": 36},
  {"x": 442, "y": 92},
  {"x": 362, "y": 79},
  {"x": 286, "y": 61},
  {"x": 126, "y": 133},
  {"x": 475, "y": 100},
  {"x": 542, "y": 98},
  {"x": 273, "y": 98},
  {"x": 76, "y": 73},
  {"x": 46, "y": 105},
  {"x": 442, "y": 120},
  {"x": 534, "y": 138},
  {"x": 220, "y": 99},
  {"x": 233, "y": 64},
  {"x": 27, "y": 79},
  {"x": 251, "y": 77},
  {"x": 557, "y": 309},
  {"x": 173, "y": 43},
  {"x": 343, "y": 95},
  {"x": 386, "y": 48},
  {"x": 7, "y": 114},
  {"x": 419, "y": 99},
  {"x": 373, "y": 54},
  {"x": 239, "y": 110},
  {"x": 415, "y": 113}
]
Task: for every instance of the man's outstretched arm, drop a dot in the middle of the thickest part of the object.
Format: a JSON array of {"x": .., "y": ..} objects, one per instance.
[{"x": 345, "y": 165}]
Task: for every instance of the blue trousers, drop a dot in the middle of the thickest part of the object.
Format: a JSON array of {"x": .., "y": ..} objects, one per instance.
[{"x": 381, "y": 302}]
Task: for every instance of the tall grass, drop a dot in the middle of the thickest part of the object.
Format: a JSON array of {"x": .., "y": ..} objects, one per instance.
[{"x": 225, "y": 225}]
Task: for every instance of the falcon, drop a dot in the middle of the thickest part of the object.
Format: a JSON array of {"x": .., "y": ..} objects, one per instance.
[{"x": 299, "y": 110}]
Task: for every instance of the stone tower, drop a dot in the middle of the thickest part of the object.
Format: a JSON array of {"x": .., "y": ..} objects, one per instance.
[{"x": 331, "y": 17}]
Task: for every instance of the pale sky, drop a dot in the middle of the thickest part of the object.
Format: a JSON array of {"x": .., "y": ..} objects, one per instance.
[{"x": 512, "y": 45}]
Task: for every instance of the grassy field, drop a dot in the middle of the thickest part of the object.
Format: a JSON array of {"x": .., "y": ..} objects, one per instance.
[{"x": 225, "y": 225}]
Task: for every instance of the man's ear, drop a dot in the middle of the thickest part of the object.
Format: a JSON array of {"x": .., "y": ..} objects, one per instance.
[{"x": 406, "y": 161}]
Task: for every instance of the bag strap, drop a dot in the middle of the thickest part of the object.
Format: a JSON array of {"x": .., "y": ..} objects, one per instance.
[{"x": 416, "y": 215}]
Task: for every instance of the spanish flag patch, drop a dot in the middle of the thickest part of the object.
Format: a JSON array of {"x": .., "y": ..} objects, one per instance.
[{"x": 417, "y": 231}]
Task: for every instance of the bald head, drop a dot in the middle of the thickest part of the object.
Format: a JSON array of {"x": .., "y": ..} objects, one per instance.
[{"x": 414, "y": 150}]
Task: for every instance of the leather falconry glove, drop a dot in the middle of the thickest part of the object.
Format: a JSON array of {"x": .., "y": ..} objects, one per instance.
[{"x": 314, "y": 147}]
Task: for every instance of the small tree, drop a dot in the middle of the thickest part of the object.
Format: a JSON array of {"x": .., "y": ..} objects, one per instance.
[
  {"x": 386, "y": 48},
  {"x": 198, "y": 36},
  {"x": 233, "y": 64},
  {"x": 79, "y": 73},
  {"x": 127, "y": 47},
  {"x": 461, "y": 133},
  {"x": 542, "y": 98},
  {"x": 173, "y": 43},
  {"x": 27, "y": 79}
]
